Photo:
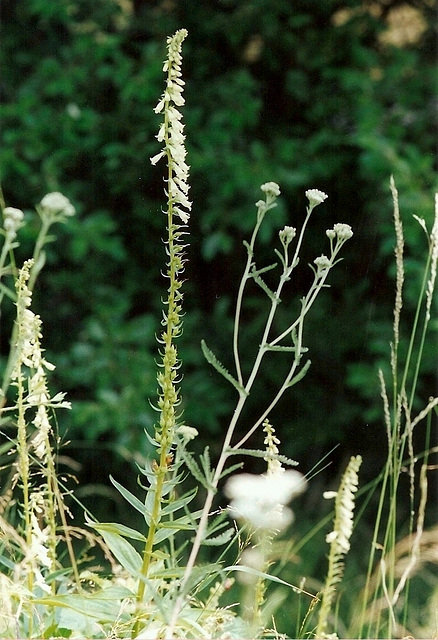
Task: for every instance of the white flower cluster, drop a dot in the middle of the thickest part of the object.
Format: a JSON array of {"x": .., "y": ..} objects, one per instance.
[
  {"x": 38, "y": 554},
  {"x": 315, "y": 197},
  {"x": 271, "y": 189},
  {"x": 271, "y": 441},
  {"x": 56, "y": 205},
  {"x": 340, "y": 231},
  {"x": 260, "y": 499},
  {"x": 12, "y": 221},
  {"x": 344, "y": 507},
  {"x": 286, "y": 235},
  {"x": 30, "y": 355},
  {"x": 322, "y": 264},
  {"x": 187, "y": 433},
  {"x": 171, "y": 130}
]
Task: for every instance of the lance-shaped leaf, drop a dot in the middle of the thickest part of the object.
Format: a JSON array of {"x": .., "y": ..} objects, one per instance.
[
  {"x": 211, "y": 358},
  {"x": 255, "y": 274}
]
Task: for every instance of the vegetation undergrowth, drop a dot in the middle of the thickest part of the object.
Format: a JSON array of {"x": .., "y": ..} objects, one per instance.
[{"x": 205, "y": 571}]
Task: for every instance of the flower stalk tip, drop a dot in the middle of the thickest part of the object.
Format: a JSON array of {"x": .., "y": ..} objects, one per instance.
[
  {"x": 315, "y": 197},
  {"x": 171, "y": 131}
]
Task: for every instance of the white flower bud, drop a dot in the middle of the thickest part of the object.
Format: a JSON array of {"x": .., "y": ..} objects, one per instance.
[
  {"x": 287, "y": 235},
  {"x": 271, "y": 188},
  {"x": 187, "y": 433},
  {"x": 322, "y": 263},
  {"x": 12, "y": 221},
  {"x": 343, "y": 231},
  {"x": 55, "y": 204}
]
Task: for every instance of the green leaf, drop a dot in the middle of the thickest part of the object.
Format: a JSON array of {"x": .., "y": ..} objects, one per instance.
[
  {"x": 122, "y": 550},
  {"x": 258, "y": 453},
  {"x": 195, "y": 470},
  {"x": 99, "y": 605},
  {"x": 211, "y": 358},
  {"x": 267, "y": 576},
  {"x": 220, "y": 539},
  {"x": 300, "y": 375},
  {"x": 268, "y": 347},
  {"x": 119, "y": 529},
  {"x": 180, "y": 503},
  {"x": 262, "y": 284},
  {"x": 131, "y": 498},
  {"x": 263, "y": 269},
  {"x": 232, "y": 468},
  {"x": 206, "y": 464}
]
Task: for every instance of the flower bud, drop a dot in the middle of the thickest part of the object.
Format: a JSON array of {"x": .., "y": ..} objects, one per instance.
[
  {"x": 187, "y": 433},
  {"x": 271, "y": 189},
  {"x": 12, "y": 221},
  {"x": 286, "y": 235},
  {"x": 55, "y": 204},
  {"x": 343, "y": 231},
  {"x": 322, "y": 264},
  {"x": 315, "y": 197}
]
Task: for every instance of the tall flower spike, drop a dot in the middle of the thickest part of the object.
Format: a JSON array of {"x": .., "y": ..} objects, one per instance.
[
  {"x": 178, "y": 205},
  {"x": 171, "y": 130},
  {"x": 339, "y": 539}
]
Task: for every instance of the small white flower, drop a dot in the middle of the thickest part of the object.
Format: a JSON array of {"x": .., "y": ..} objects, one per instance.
[
  {"x": 56, "y": 204},
  {"x": 12, "y": 221},
  {"x": 187, "y": 433},
  {"x": 157, "y": 157},
  {"x": 254, "y": 559},
  {"x": 343, "y": 231},
  {"x": 73, "y": 110},
  {"x": 315, "y": 197},
  {"x": 330, "y": 537},
  {"x": 329, "y": 495},
  {"x": 322, "y": 263},
  {"x": 344, "y": 507},
  {"x": 271, "y": 188},
  {"x": 287, "y": 234}
]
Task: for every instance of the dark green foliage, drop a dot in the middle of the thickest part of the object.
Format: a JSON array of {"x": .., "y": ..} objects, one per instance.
[{"x": 299, "y": 93}]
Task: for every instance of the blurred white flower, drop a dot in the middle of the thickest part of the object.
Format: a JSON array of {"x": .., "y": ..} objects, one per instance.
[
  {"x": 261, "y": 499},
  {"x": 187, "y": 433},
  {"x": 73, "y": 110},
  {"x": 12, "y": 221},
  {"x": 56, "y": 204},
  {"x": 271, "y": 188}
]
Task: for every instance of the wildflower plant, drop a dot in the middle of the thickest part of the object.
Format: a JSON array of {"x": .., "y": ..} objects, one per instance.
[
  {"x": 159, "y": 583},
  {"x": 162, "y": 603},
  {"x": 32, "y": 550}
]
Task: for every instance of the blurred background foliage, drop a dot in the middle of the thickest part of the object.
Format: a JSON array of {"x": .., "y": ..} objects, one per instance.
[{"x": 335, "y": 95}]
